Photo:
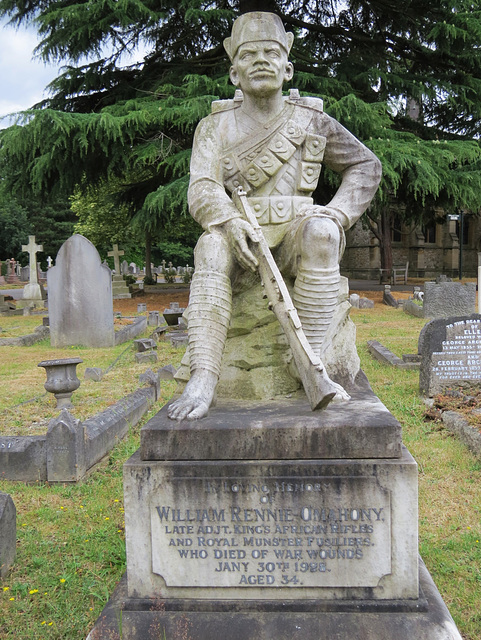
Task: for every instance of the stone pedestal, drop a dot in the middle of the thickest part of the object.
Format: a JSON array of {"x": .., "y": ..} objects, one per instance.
[
  {"x": 270, "y": 521},
  {"x": 120, "y": 289}
]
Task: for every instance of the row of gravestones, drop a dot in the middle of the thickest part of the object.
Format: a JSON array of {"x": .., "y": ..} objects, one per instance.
[{"x": 133, "y": 269}]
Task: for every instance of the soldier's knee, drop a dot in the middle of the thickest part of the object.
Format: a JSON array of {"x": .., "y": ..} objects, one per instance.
[{"x": 320, "y": 239}]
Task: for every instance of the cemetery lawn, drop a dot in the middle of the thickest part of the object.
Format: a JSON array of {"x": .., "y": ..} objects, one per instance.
[{"x": 70, "y": 538}]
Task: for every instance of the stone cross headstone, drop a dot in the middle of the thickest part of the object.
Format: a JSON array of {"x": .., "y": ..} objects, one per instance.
[
  {"x": 32, "y": 248},
  {"x": 80, "y": 297},
  {"x": 11, "y": 273},
  {"x": 116, "y": 255},
  {"x": 49, "y": 262},
  {"x": 450, "y": 350}
]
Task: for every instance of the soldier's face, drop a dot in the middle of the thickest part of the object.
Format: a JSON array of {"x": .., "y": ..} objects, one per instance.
[{"x": 260, "y": 67}]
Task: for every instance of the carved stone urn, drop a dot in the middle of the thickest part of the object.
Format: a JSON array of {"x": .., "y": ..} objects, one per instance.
[{"x": 62, "y": 379}]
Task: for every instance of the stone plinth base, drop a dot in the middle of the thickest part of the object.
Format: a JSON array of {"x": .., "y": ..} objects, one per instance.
[
  {"x": 119, "y": 288},
  {"x": 284, "y": 428},
  {"x": 284, "y": 531},
  {"x": 425, "y": 618}
]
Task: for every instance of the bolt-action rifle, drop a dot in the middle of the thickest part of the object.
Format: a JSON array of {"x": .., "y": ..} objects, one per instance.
[{"x": 319, "y": 388}]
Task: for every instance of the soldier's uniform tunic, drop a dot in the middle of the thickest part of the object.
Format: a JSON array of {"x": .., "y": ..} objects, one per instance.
[{"x": 278, "y": 165}]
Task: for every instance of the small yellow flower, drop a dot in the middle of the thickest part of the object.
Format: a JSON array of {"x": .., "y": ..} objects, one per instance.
[
  {"x": 81, "y": 506},
  {"x": 469, "y": 527},
  {"x": 6, "y": 588},
  {"x": 115, "y": 500},
  {"x": 107, "y": 518},
  {"x": 33, "y": 591},
  {"x": 24, "y": 525},
  {"x": 62, "y": 580},
  {"x": 12, "y": 599},
  {"x": 44, "y": 622},
  {"x": 50, "y": 624}
]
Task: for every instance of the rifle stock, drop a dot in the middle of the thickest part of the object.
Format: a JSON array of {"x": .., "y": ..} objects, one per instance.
[{"x": 319, "y": 388}]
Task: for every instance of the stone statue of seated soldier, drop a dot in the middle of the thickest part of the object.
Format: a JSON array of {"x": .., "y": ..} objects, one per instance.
[{"x": 274, "y": 148}]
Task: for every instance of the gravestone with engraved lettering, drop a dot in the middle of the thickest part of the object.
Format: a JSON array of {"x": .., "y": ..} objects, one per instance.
[
  {"x": 450, "y": 350},
  {"x": 80, "y": 297}
]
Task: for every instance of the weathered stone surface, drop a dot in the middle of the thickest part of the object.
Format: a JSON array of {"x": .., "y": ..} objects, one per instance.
[
  {"x": 450, "y": 350},
  {"x": 93, "y": 373},
  {"x": 384, "y": 355},
  {"x": 426, "y": 618},
  {"x": 220, "y": 509},
  {"x": 145, "y": 344},
  {"x": 120, "y": 289},
  {"x": 153, "y": 319},
  {"x": 146, "y": 356},
  {"x": 131, "y": 331},
  {"x": 168, "y": 372},
  {"x": 66, "y": 460},
  {"x": 417, "y": 310},
  {"x": 71, "y": 446},
  {"x": 8, "y": 533},
  {"x": 281, "y": 429},
  {"x": 80, "y": 297},
  {"x": 257, "y": 362},
  {"x": 448, "y": 299},
  {"x": 27, "y": 340},
  {"x": 354, "y": 300},
  {"x": 106, "y": 429},
  {"x": 365, "y": 303},
  {"x": 468, "y": 433},
  {"x": 23, "y": 458},
  {"x": 150, "y": 379},
  {"x": 388, "y": 298}
]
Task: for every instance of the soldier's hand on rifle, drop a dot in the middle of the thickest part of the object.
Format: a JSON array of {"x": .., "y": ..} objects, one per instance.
[{"x": 238, "y": 233}]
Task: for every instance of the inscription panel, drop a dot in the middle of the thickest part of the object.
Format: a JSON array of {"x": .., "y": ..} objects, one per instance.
[
  {"x": 265, "y": 532},
  {"x": 460, "y": 358}
]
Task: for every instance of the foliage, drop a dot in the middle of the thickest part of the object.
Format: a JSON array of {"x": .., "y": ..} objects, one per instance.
[
  {"x": 104, "y": 220},
  {"x": 175, "y": 252},
  {"x": 14, "y": 229},
  {"x": 404, "y": 77}
]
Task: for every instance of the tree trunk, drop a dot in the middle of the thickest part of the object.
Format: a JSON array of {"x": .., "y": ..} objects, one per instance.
[
  {"x": 148, "y": 255},
  {"x": 381, "y": 228},
  {"x": 385, "y": 243}
]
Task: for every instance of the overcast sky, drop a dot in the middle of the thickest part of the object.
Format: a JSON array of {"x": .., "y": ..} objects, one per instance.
[{"x": 22, "y": 80}]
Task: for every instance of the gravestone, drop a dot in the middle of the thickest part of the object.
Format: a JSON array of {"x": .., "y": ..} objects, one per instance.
[
  {"x": 388, "y": 298},
  {"x": 173, "y": 314},
  {"x": 450, "y": 350},
  {"x": 446, "y": 299},
  {"x": 49, "y": 263},
  {"x": 80, "y": 297},
  {"x": 124, "y": 268},
  {"x": 33, "y": 292},
  {"x": 153, "y": 319},
  {"x": 119, "y": 286},
  {"x": 12, "y": 277},
  {"x": 8, "y": 533}
]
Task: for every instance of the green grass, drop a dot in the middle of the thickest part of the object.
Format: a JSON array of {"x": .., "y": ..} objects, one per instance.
[{"x": 70, "y": 551}]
